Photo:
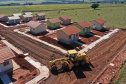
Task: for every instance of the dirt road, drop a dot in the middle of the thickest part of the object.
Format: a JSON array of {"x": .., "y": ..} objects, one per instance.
[{"x": 38, "y": 50}]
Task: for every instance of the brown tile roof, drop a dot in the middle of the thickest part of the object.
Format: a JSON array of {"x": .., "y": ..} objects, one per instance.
[
  {"x": 85, "y": 24},
  {"x": 66, "y": 17},
  {"x": 100, "y": 21},
  {"x": 71, "y": 30},
  {"x": 33, "y": 24},
  {"x": 2, "y": 16},
  {"x": 55, "y": 20},
  {"x": 5, "y": 54},
  {"x": 41, "y": 14}
]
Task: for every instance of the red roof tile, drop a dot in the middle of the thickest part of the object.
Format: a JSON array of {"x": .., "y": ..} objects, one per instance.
[
  {"x": 66, "y": 17},
  {"x": 101, "y": 21},
  {"x": 5, "y": 54},
  {"x": 85, "y": 24},
  {"x": 33, "y": 24},
  {"x": 2, "y": 16},
  {"x": 71, "y": 30},
  {"x": 55, "y": 20}
]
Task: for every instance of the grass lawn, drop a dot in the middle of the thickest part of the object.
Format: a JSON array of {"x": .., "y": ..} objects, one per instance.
[
  {"x": 9, "y": 10},
  {"x": 114, "y": 14},
  {"x": 122, "y": 75}
]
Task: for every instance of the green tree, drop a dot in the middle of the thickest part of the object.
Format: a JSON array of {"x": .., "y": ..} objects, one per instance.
[{"x": 95, "y": 5}]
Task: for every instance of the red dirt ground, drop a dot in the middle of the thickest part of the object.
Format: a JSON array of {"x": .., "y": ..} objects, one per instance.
[
  {"x": 101, "y": 56},
  {"x": 88, "y": 40},
  {"x": 25, "y": 73},
  {"x": 53, "y": 35},
  {"x": 62, "y": 45},
  {"x": 100, "y": 33},
  {"x": 111, "y": 70}
]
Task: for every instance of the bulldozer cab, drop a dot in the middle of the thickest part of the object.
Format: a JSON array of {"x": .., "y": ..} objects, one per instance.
[{"x": 72, "y": 54}]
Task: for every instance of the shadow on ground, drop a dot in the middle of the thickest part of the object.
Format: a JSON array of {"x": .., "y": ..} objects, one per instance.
[{"x": 78, "y": 70}]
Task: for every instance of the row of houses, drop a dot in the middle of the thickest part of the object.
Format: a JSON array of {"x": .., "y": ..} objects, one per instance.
[
  {"x": 55, "y": 23},
  {"x": 71, "y": 32},
  {"x": 26, "y": 17}
]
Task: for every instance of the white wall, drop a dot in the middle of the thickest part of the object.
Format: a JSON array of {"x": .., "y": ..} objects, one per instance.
[
  {"x": 39, "y": 29},
  {"x": 4, "y": 68}
]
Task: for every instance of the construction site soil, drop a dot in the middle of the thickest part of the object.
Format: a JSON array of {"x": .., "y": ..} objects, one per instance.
[
  {"x": 25, "y": 73},
  {"x": 101, "y": 55},
  {"x": 60, "y": 44}
]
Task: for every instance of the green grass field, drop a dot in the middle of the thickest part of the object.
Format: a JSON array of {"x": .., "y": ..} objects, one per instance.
[
  {"x": 9, "y": 10},
  {"x": 114, "y": 14}
]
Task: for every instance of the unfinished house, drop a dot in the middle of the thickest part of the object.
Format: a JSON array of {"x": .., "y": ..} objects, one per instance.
[
  {"x": 65, "y": 20},
  {"x": 85, "y": 27},
  {"x": 14, "y": 20},
  {"x": 53, "y": 23},
  {"x": 3, "y": 18},
  {"x": 27, "y": 18},
  {"x": 27, "y": 13},
  {"x": 40, "y": 16},
  {"x": 98, "y": 24},
  {"x": 36, "y": 27},
  {"x": 68, "y": 35},
  {"x": 6, "y": 56}
]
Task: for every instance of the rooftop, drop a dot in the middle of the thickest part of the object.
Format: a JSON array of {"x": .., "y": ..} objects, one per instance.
[
  {"x": 71, "y": 30},
  {"x": 5, "y": 54},
  {"x": 28, "y": 15},
  {"x": 66, "y": 17},
  {"x": 55, "y": 20},
  {"x": 33, "y": 24},
  {"x": 85, "y": 24},
  {"x": 41, "y": 14},
  {"x": 13, "y": 17},
  {"x": 100, "y": 20},
  {"x": 17, "y": 14}
]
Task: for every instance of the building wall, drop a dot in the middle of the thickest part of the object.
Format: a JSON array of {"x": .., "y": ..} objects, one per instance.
[
  {"x": 63, "y": 37},
  {"x": 65, "y": 22},
  {"x": 53, "y": 25},
  {"x": 83, "y": 30},
  {"x": 39, "y": 29},
  {"x": 96, "y": 25},
  {"x": 4, "y": 68},
  {"x": 14, "y": 22},
  {"x": 40, "y": 17},
  {"x": 26, "y": 19},
  {"x": 4, "y": 19}
]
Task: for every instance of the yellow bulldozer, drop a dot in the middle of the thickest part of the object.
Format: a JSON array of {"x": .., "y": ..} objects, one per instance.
[{"x": 72, "y": 57}]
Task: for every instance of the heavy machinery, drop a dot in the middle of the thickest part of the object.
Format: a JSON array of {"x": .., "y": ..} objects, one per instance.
[{"x": 73, "y": 57}]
